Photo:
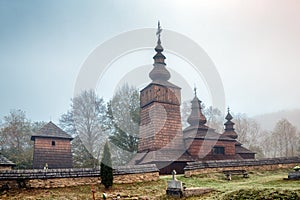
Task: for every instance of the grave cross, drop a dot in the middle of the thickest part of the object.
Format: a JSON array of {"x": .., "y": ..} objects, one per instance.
[{"x": 173, "y": 175}]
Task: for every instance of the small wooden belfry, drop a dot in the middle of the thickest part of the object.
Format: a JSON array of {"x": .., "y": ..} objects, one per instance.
[{"x": 52, "y": 148}]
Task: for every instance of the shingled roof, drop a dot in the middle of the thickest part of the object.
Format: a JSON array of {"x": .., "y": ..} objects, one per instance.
[
  {"x": 242, "y": 150},
  {"x": 50, "y": 130},
  {"x": 5, "y": 162},
  {"x": 190, "y": 132}
]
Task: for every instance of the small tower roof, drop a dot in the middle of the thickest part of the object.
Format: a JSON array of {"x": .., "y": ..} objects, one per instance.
[
  {"x": 228, "y": 116},
  {"x": 229, "y": 129},
  {"x": 50, "y": 130},
  {"x": 5, "y": 162},
  {"x": 196, "y": 117}
]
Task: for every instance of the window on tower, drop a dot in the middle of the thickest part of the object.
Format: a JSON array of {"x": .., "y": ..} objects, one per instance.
[
  {"x": 53, "y": 143},
  {"x": 218, "y": 150}
]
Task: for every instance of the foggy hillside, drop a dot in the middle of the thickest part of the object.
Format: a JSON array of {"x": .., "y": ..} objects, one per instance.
[{"x": 268, "y": 121}]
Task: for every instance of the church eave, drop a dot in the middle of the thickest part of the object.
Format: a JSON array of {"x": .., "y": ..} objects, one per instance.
[
  {"x": 52, "y": 137},
  {"x": 165, "y": 84}
]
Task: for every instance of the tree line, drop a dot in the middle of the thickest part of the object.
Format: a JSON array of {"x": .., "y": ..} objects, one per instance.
[{"x": 92, "y": 123}]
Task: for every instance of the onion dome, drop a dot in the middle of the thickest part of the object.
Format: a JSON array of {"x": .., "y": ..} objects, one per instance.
[
  {"x": 229, "y": 129},
  {"x": 159, "y": 73},
  {"x": 196, "y": 117}
]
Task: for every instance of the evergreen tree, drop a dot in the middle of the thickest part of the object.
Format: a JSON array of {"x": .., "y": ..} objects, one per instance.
[
  {"x": 82, "y": 158},
  {"x": 123, "y": 117},
  {"x": 106, "y": 171}
]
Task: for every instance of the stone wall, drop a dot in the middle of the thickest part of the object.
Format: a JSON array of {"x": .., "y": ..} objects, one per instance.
[
  {"x": 194, "y": 168},
  {"x": 4, "y": 168},
  {"x": 133, "y": 178},
  {"x": 53, "y": 178},
  {"x": 60, "y": 182}
]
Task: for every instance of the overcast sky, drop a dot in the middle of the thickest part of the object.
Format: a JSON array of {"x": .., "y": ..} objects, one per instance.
[{"x": 255, "y": 46}]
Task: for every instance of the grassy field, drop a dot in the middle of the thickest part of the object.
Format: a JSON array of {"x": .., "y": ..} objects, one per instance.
[{"x": 260, "y": 185}]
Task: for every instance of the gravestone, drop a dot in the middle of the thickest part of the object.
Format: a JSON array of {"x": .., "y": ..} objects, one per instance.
[
  {"x": 294, "y": 175},
  {"x": 174, "y": 186}
]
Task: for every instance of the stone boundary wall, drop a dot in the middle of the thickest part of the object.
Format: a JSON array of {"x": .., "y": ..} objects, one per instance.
[
  {"x": 52, "y": 178},
  {"x": 4, "y": 168},
  {"x": 202, "y": 167}
]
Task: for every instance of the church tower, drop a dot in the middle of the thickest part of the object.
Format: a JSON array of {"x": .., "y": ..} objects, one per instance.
[
  {"x": 160, "y": 125},
  {"x": 194, "y": 135},
  {"x": 229, "y": 129},
  {"x": 161, "y": 139}
]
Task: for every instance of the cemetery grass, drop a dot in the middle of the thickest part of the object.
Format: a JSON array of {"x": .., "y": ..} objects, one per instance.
[
  {"x": 263, "y": 184},
  {"x": 260, "y": 184}
]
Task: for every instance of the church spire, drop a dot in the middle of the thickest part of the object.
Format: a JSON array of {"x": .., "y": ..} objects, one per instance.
[
  {"x": 229, "y": 129},
  {"x": 196, "y": 117},
  {"x": 159, "y": 72}
]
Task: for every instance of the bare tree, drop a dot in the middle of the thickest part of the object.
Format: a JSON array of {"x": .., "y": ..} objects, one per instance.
[
  {"x": 15, "y": 139},
  {"x": 268, "y": 144},
  {"x": 242, "y": 127},
  {"x": 248, "y": 129},
  {"x": 282, "y": 141},
  {"x": 86, "y": 120},
  {"x": 214, "y": 117},
  {"x": 249, "y": 133},
  {"x": 286, "y": 138}
]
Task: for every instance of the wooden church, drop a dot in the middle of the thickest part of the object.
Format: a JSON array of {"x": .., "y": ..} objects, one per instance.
[
  {"x": 162, "y": 140},
  {"x": 52, "y": 148}
]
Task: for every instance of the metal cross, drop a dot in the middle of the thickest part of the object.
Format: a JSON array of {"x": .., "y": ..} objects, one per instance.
[{"x": 159, "y": 30}]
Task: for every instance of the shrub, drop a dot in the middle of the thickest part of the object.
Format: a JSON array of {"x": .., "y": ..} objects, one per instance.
[{"x": 106, "y": 167}]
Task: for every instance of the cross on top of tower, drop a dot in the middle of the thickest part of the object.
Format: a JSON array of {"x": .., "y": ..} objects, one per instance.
[
  {"x": 159, "y": 30},
  {"x": 195, "y": 90},
  {"x": 228, "y": 116}
]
